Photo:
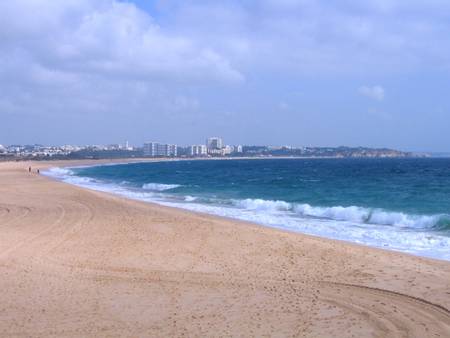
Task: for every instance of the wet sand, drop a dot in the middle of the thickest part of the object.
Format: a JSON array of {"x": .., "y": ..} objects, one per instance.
[{"x": 79, "y": 263}]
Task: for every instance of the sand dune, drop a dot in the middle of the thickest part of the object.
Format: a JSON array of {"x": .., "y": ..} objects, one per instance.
[{"x": 81, "y": 263}]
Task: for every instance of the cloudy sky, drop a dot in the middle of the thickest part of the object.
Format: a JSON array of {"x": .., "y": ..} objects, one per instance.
[{"x": 300, "y": 72}]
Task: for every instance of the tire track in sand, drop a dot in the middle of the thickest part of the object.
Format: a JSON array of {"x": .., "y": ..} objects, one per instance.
[
  {"x": 390, "y": 313},
  {"x": 85, "y": 214},
  {"x": 12, "y": 213},
  {"x": 17, "y": 245}
]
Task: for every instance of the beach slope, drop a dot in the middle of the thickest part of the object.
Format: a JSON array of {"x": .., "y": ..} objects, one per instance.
[{"x": 77, "y": 263}]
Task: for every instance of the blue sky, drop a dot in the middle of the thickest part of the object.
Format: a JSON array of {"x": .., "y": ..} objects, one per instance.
[{"x": 299, "y": 72}]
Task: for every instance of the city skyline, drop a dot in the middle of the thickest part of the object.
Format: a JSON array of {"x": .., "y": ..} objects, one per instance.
[
  {"x": 268, "y": 72},
  {"x": 127, "y": 145},
  {"x": 213, "y": 147}
]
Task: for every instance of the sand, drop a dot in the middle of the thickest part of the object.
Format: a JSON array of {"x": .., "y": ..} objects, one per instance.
[{"x": 79, "y": 263}]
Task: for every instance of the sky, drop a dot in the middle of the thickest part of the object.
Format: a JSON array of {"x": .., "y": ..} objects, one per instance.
[{"x": 282, "y": 72}]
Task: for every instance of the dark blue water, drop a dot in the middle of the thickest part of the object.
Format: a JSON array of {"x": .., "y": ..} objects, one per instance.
[{"x": 403, "y": 204}]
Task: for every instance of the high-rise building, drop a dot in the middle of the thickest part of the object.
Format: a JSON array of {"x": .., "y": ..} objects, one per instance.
[
  {"x": 155, "y": 149},
  {"x": 171, "y": 150},
  {"x": 214, "y": 143},
  {"x": 198, "y": 150}
]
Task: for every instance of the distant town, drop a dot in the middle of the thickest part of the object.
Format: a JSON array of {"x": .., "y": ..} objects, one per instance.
[{"x": 213, "y": 147}]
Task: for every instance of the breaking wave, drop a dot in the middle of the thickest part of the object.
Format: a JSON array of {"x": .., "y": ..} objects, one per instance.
[
  {"x": 159, "y": 186},
  {"x": 353, "y": 214},
  {"x": 425, "y": 235}
]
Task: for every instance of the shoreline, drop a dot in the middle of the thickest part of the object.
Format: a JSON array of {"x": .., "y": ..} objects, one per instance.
[
  {"x": 228, "y": 217},
  {"x": 218, "y": 158},
  {"x": 80, "y": 262}
]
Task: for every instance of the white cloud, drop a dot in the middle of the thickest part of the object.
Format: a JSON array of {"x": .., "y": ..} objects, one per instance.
[
  {"x": 110, "y": 62},
  {"x": 307, "y": 36},
  {"x": 374, "y": 92},
  {"x": 100, "y": 63},
  {"x": 106, "y": 38}
]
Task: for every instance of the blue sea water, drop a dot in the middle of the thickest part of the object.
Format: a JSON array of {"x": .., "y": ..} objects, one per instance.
[{"x": 397, "y": 204}]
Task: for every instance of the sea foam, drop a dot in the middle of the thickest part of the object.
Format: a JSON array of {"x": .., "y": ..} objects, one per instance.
[
  {"x": 417, "y": 234},
  {"x": 350, "y": 213},
  {"x": 159, "y": 186}
]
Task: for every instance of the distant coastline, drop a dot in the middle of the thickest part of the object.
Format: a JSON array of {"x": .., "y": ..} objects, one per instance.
[{"x": 38, "y": 153}]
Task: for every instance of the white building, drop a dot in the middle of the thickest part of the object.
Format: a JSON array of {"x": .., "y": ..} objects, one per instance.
[
  {"x": 113, "y": 147},
  {"x": 198, "y": 150},
  {"x": 127, "y": 146},
  {"x": 172, "y": 150},
  {"x": 227, "y": 150},
  {"x": 214, "y": 143},
  {"x": 69, "y": 148},
  {"x": 155, "y": 149}
]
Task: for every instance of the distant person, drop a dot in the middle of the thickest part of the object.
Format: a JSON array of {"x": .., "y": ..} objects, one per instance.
[
  {"x": 38, "y": 171},
  {"x": 29, "y": 169}
]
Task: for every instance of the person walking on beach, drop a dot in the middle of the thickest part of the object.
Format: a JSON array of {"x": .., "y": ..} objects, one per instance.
[
  {"x": 38, "y": 172},
  {"x": 29, "y": 169}
]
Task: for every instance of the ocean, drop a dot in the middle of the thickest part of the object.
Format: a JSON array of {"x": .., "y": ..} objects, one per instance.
[{"x": 395, "y": 204}]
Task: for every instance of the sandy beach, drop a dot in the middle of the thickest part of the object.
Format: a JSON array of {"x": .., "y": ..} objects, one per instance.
[{"x": 80, "y": 263}]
